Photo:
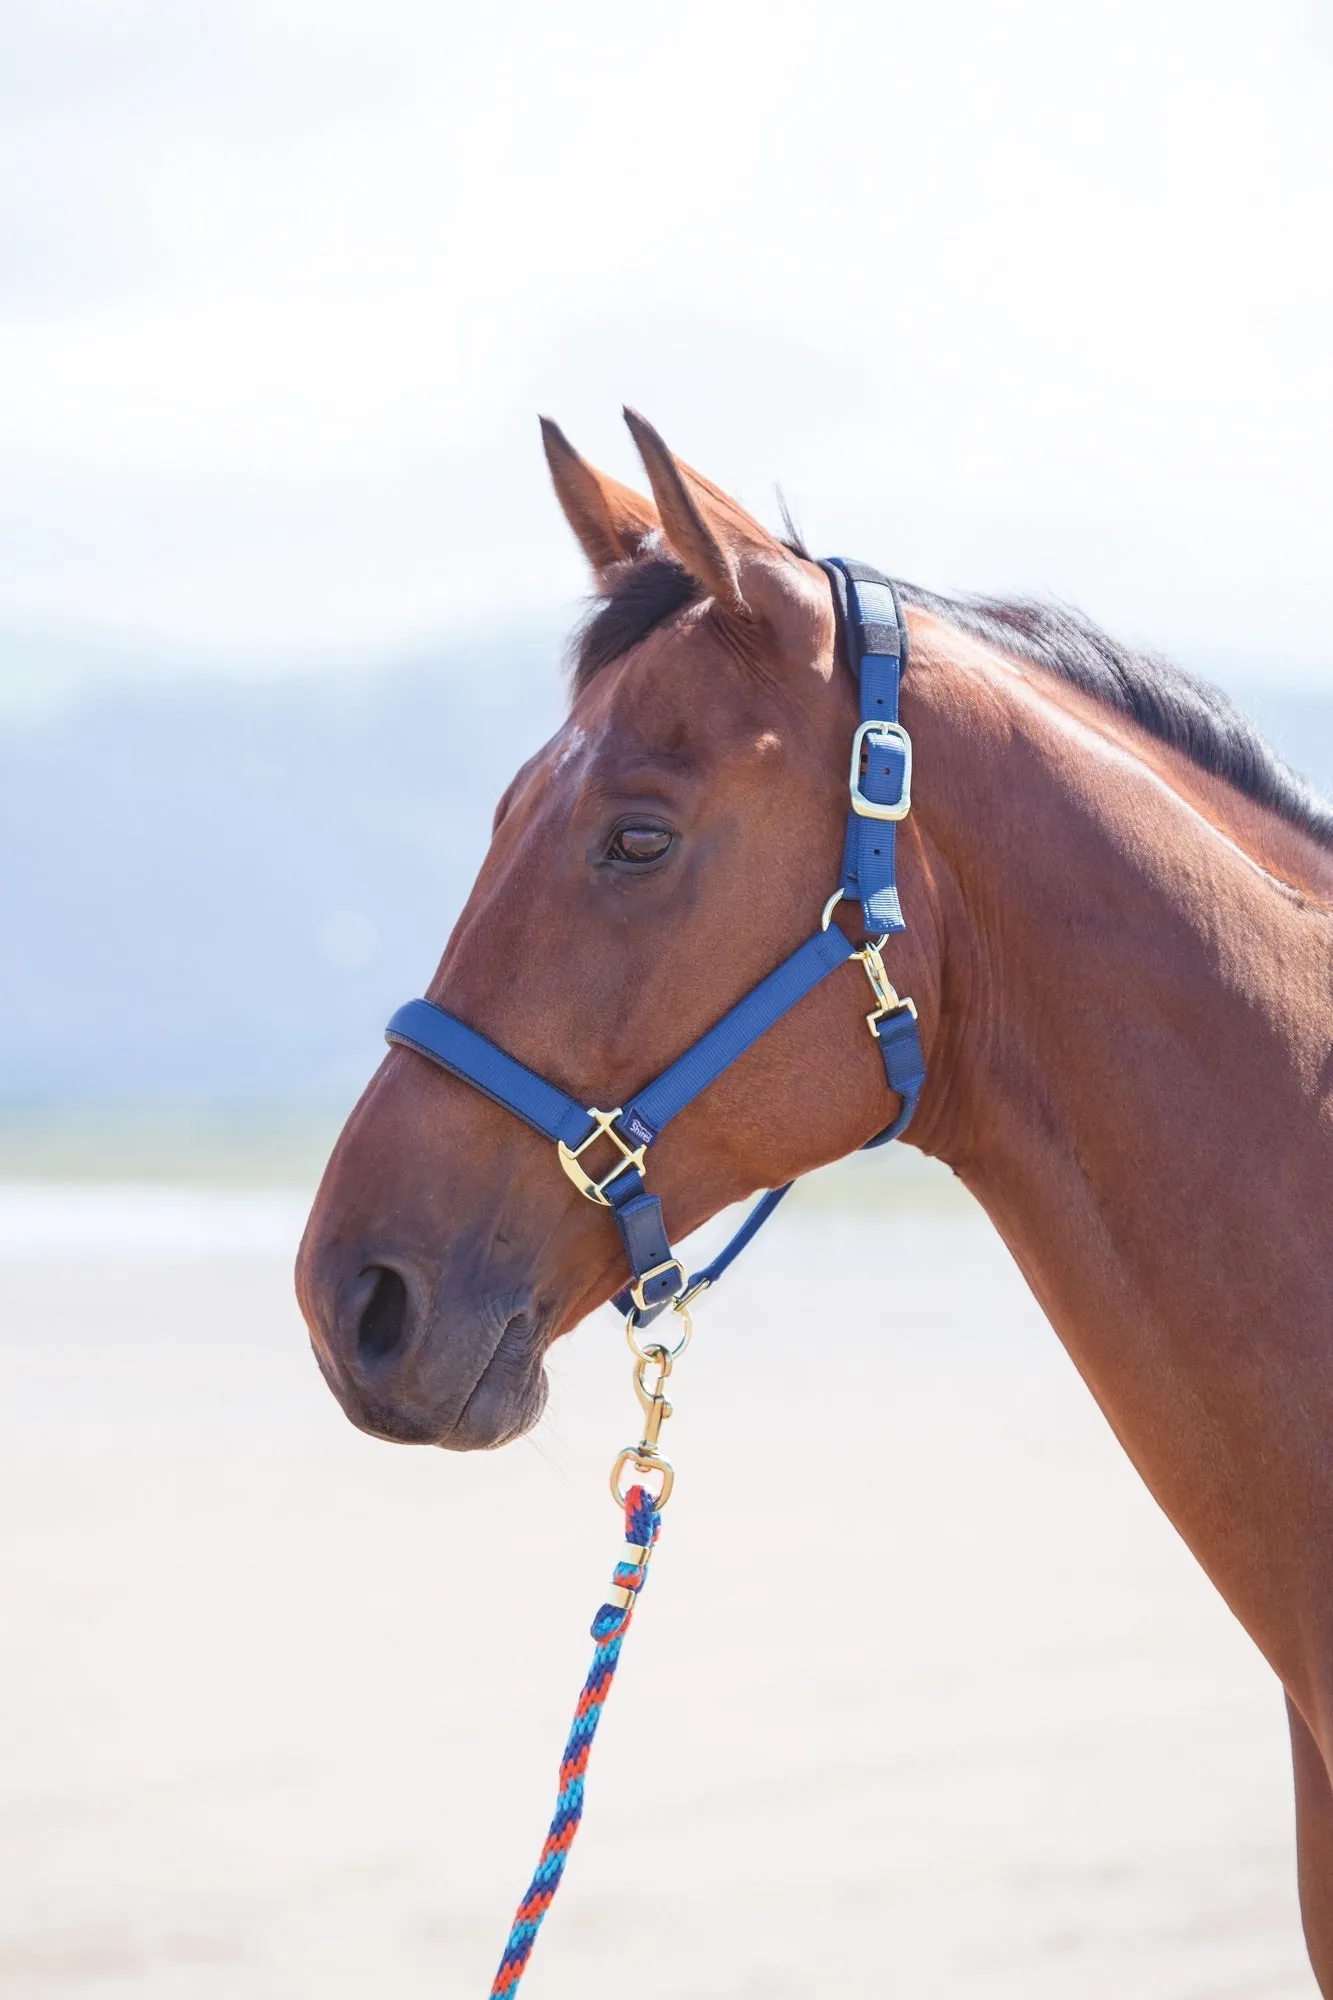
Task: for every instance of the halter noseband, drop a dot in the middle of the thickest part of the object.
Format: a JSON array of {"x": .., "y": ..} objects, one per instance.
[{"x": 880, "y": 786}]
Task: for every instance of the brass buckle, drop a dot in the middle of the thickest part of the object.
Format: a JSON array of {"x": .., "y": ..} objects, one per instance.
[
  {"x": 636, "y": 1289},
  {"x": 630, "y": 1156},
  {"x": 887, "y": 1000},
  {"x": 690, "y": 1294},
  {"x": 872, "y": 808}
]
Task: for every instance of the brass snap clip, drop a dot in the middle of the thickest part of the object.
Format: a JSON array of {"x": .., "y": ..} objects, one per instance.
[
  {"x": 887, "y": 998},
  {"x": 653, "y": 1363}
]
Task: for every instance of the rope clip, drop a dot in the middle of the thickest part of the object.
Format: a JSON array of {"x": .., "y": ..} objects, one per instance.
[{"x": 653, "y": 1363}]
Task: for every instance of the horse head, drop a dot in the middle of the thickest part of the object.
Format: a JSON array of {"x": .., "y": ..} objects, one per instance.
[{"x": 675, "y": 839}]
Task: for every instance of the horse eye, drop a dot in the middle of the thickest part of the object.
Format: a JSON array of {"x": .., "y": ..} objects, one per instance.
[{"x": 638, "y": 843}]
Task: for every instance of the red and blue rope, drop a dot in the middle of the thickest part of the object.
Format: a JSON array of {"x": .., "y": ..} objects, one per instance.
[{"x": 642, "y": 1525}]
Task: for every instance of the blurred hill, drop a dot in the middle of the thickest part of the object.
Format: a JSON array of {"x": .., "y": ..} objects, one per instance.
[{"x": 213, "y": 893}]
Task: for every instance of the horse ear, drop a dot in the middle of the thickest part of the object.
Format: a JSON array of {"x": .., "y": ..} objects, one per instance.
[
  {"x": 707, "y": 530},
  {"x": 610, "y": 522}
]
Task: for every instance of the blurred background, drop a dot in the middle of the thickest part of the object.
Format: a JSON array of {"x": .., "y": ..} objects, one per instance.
[{"x": 1028, "y": 299}]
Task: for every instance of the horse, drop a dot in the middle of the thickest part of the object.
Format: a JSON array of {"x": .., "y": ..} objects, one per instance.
[{"x": 1119, "y": 940}]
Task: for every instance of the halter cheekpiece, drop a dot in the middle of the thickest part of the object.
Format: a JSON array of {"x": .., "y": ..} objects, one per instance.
[{"x": 880, "y": 789}]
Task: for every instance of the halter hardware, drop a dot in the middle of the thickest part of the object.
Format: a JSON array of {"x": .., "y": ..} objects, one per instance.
[
  {"x": 883, "y": 733},
  {"x": 887, "y": 999},
  {"x": 880, "y": 785},
  {"x": 645, "y": 1456},
  {"x": 604, "y": 1127},
  {"x": 638, "y": 1293}
]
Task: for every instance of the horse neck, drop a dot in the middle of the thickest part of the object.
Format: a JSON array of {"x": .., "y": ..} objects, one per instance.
[{"x": 1131, "y": 1062}]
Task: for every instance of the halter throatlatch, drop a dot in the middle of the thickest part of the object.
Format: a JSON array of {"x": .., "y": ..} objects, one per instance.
[{"x": 880, "y": 794}]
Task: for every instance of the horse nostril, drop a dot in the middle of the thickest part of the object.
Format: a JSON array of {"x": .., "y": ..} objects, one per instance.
[{"x": 385, "y": 1316}]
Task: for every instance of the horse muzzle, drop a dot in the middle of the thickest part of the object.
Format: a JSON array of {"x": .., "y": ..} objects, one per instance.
[{"x": 420, "y": 1356}]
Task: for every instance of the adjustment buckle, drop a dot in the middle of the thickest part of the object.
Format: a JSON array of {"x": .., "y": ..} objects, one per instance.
[
  {"x": 893, "y": 809},
  {"x": 636, "y": 1288},
  {"x": 604, "y": 1123}
]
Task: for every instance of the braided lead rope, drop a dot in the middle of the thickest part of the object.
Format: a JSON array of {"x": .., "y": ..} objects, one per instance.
[{"x": 643, "y": 1522}]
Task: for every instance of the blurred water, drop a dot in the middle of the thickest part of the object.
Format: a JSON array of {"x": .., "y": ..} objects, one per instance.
[{"x": 119, "y": 1223}]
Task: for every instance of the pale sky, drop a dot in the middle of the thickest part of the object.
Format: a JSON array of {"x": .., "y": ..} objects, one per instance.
[{"x": 1035, "y": 297}]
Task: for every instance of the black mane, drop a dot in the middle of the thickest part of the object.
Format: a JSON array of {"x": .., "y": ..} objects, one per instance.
[{"x": 1188, "y": 715}]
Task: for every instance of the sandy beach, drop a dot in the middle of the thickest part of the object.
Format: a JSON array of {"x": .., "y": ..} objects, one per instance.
[{"x": 924, "y": 1698}]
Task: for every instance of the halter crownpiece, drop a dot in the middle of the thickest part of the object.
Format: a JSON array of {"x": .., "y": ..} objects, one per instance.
[{"x": 880, "y": 792}]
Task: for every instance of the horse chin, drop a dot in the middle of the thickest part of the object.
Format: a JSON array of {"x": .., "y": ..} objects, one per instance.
[
  {"x": 505, "y": 1404},
  {"x": 498, "y": 1411}
]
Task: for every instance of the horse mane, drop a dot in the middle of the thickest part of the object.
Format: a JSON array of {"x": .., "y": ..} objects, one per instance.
[{"x": 1186, "y": 714}]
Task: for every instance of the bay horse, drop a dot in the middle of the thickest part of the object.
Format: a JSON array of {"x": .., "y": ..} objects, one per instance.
[{"x": 1119, "y": 939}]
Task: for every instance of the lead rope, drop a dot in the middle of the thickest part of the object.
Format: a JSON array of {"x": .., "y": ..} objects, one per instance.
[{"x": 643, "y": 1522}]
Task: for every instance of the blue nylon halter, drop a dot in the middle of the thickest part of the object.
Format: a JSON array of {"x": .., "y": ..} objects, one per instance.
[{"x": 880, "y": 787}]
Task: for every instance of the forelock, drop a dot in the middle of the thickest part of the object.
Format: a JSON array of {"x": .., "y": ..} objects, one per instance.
[{"x": 639, "y": 597}]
